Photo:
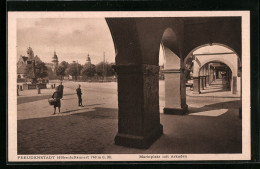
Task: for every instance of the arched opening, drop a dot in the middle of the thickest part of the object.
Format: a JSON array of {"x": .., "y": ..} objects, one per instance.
[
  {"x": 215, "y": 78},
  {"x": 220, "y": 83},
  {"x": 212, "y": 48},
  {"x": 173, "y": 84},
  {"x": 209, "y": 53}
]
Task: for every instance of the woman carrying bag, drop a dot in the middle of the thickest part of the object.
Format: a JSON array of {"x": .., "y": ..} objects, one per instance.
[{"x": 56, "y": 100}]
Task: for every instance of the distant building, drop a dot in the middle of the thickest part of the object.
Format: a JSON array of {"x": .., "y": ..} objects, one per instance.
[
  {"x": 49, "y": 65},
  {"x": 55, "y": 62},
  {"x": 23, "y": 61},
  {"x": 88, "y": 60}
]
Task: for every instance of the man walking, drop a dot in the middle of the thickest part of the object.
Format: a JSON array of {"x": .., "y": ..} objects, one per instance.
[
  {"x": 60, "y": 89},
  {"x": 79, "y": 93}
]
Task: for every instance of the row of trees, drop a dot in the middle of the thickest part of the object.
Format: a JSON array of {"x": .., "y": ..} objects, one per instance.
[
  {"x": 88, "y": 70},
  {"x": 38, "y": 70}
]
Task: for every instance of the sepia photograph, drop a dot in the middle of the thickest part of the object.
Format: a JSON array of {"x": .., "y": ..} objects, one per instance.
[{"x": 128, "y": 86}]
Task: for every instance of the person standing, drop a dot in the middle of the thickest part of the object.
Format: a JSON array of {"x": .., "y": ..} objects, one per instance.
[
  {"x": 79, "y": 93},
  {"x": 56, "y": 96},
  {"x": 60, "y": 88}
]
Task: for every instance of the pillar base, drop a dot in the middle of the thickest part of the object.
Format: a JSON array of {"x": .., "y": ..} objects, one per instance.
[
  {"x": 176, "y": 111},
  {"x": 142, "y": 142}
]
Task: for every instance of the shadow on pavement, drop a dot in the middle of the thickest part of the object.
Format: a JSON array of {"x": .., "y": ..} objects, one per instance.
[
  {"x": 93, "y": 132},
  {"x": 21, "y": 100},
  {"x": 69, "y": 111},
  {"x": 222, "y": 105}
]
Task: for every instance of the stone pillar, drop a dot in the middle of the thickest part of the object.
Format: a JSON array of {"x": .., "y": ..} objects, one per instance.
[
  {"x": 196, "y": 85},
  {"x": 204, "y": 76},
  {"x": 234, "y": 85},
  {"x": 214, "y": 75},
  {"x": 175, "y": 92},
  {"x": 138, "y": 105},
  {"x": 202, "y": 82},
  {"x": 208, "y": 75},
  {"x": 205, "y": 81}
]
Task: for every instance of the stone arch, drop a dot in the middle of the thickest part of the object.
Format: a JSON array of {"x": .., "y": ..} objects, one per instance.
[
  {"x": 170, "y": 49},
  {"x": 229, "y": 64},
  {"x": 137, "y": 44},
  {"x": 212, "y": 44},
  {"x": 174, "y": 79},
  {"x": 204, "y": 77},
  {"x": 225, "y": 31}
]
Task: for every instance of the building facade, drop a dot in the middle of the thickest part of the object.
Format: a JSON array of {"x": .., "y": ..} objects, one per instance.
[{"x": 23, "y": 61}]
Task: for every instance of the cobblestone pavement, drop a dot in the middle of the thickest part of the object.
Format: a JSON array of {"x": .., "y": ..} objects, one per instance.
[{"x": 213, "y": 124}]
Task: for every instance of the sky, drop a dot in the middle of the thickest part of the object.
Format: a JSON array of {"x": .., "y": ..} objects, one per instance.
[{"x": 73, "y": 39}]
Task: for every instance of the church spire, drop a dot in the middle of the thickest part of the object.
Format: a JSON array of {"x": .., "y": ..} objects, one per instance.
[
  {"x": 88, "y": 59},
  {"x": 55, "y": 61}
]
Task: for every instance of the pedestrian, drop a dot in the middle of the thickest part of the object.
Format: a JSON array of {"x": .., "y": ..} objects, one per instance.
[
  {"x": 60, "y": 88},
  {"x": 79, "y": 93},
  {"x": 56, "y": 96}
]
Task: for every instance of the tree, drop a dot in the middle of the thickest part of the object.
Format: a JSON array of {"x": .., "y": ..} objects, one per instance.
[
  {"x": 64, "y": 64},
  {"x": 88, "y": 70},
  {"x": 104, "y": 69},
  {"x": 109, "y": 70},
  {"x": 51, "y": 74},
  {"x": 36, "y": 69},
  {"x": 74, "y": 69},
  {"x": 60, "y": 71}
]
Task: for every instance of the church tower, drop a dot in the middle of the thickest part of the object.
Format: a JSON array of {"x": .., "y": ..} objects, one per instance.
[
  {"x": 55, "y": 62},
  {"x": 30, "y": 53},
  {"x": 88, "y": 60}
]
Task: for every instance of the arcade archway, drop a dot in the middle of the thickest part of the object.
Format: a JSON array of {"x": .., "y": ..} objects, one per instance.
[{"x": 137, "y": 42}]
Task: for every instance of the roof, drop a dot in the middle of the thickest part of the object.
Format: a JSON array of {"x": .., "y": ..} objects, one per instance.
[{"x": 24, "y": 58}]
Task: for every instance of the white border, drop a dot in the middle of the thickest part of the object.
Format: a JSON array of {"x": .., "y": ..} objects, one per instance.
[{"x": 12, "y": 98}]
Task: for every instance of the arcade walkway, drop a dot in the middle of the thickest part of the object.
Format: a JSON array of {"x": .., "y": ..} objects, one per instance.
[
  {"x": 218, "y": 88},
  {"x": 212, "y": 125}
]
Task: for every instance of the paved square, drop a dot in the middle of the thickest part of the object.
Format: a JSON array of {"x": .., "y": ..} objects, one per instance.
[{"x": 213, "y": 124}]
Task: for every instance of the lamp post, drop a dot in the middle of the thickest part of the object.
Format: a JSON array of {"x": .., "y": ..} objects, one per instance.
[
  {"x": 74, "y": 65},
  {"x": 77, "y": 70}
]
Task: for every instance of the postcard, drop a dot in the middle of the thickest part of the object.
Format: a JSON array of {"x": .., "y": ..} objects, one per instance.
[{"x": 129, "y": 86}]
